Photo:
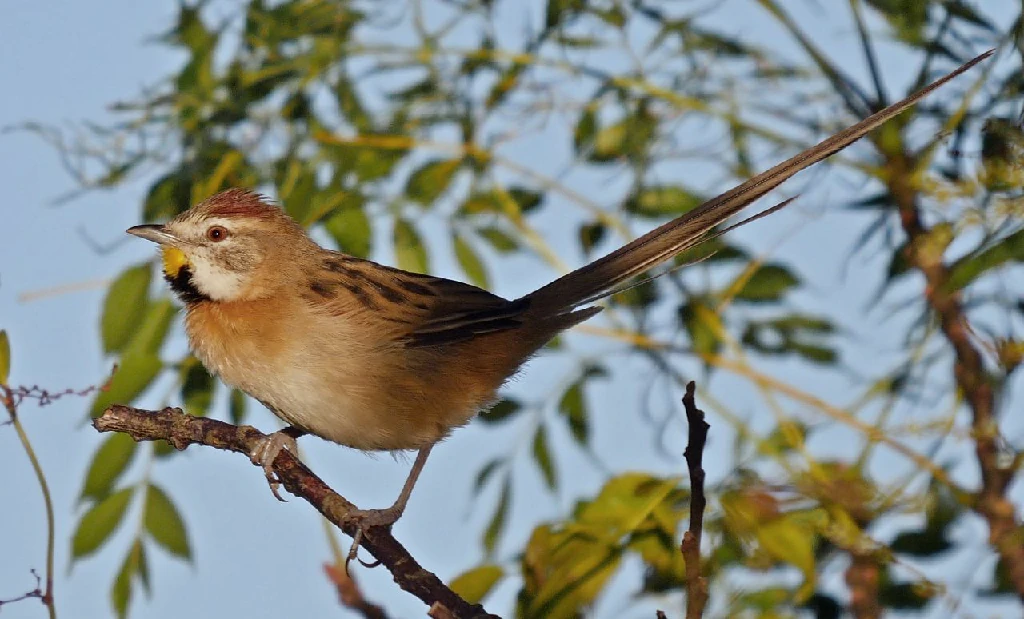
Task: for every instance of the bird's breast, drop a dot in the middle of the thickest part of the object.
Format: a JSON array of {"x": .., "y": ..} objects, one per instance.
[{"x": 332, "y": 376}]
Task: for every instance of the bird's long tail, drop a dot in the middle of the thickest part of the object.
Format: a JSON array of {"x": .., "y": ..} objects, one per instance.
[{"x": 602, "y": 276}]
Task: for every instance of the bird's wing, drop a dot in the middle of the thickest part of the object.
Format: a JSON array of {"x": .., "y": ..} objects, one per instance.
[{"x": 420, "y": 310}]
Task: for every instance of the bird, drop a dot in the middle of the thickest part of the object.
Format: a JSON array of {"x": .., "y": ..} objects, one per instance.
[{"x": 381, "y": 359}]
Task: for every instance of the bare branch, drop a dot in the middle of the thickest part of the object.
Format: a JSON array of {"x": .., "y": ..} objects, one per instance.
[
  {"x": 182, "y": 430},
  {"x": 696, "y": 585}
]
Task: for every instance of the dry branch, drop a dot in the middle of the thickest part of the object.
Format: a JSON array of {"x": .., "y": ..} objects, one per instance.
[
  {"x": 696, "y": 584},
  {"x": 181, "y": 430}
]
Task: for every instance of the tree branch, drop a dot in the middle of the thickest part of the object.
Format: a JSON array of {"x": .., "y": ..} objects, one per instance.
[
  {"x": 696, "y": 585},
  {"x": 863, "y": 579},
  {"x": 182, "y": 430},
  {"x": 973, "y": 381}
]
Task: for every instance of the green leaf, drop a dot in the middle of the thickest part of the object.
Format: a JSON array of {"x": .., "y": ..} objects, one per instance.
[
  {"x": 134, "y": 374},
  {"x": 197, "y": 387},
  {"x": 499, "y": 239},
  {"x": 662, "y": 200},
  {"x": 527, "y": 199},
  {"x": 701, "y": 324},
  {"x": 121, "y": 589},
  {"x": 767, "y": 284},
  {"x": 475, "y": 584},
  {"x": 164, "y": 523},
  {"x": 350, "y": 229},
  {"x": 5, "y": 357},
  {"x": 497, "y": 523},
  {"x": 969, "y": 268},
  {"x": 153, "y": 328},
  {"x": 410, "y": 253},
  {"x": 501, "y": 411},
  {"x": 573, "y": 407},
  {"x": 629, "y": 137},
  {"x": 542, "y": 456},
  {"x": 591, "y": 234},
  {"x": 923, "y": 543},
  {"x": 124, "y": 306},
  {"x": 470, "y": 262},
  {"x": 485, "y": 474},
  {"x": 790, "y": 539},
  {"x": 236, "y": 406},
  {"x": 167, "y": 197},
  {"x": 97, "y": 525},
  {"x": 586, "y": 129},
  {"x": 431, "y": 179},
  {"x": 108, "y": 464},
  {"x": 297, "y": 184},
  {"x": 822, "y": 355}
]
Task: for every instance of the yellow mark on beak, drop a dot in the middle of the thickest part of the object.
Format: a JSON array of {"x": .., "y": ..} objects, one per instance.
[{"x": 174, "y": 260}]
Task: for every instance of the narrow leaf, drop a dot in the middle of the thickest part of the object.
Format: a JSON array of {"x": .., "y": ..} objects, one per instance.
[
  {"x": 968, "y": 269},
  {"x": 768, "y": 283},
  {"x": 5, "y": 357},
  {"x": 475, "y": 584},
  {"x": 662, "y": 200},
  {"x": 501, "y": 411},
  {"x": 350, "y": 229},
  {"x": 164, "y": 523},
  {"x": 542, "y": 456},
  {"x": 236, "y": 407},
  {"x": 573, "y": 407},
  {"x": 470, "y": 262},
  {"x": 97, "y": 525},
  {"x": 485, "y": 474},
  {"x": 431, "y": 179},
  {"x": 497, "y": 523},
  {"x": 410, "y": 253},
  {"x": 109, "y": 463},
  {"x": 154, "y": 324},
  {"x": 134, "y": 374},
  {"x": 124, "y": 306},
  {"x": 197, "y": 387}
]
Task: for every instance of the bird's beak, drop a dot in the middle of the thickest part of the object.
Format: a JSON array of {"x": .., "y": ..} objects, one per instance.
[
  {"x": 153, "y": 232},
  {"x": 174, "y": 258}
]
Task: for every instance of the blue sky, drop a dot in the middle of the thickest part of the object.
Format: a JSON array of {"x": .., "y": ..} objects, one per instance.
[{"x": 66, "y": 62}]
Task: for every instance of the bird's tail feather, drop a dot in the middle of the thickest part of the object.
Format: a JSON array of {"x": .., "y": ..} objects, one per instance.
[{"x": 598, "y": 278}]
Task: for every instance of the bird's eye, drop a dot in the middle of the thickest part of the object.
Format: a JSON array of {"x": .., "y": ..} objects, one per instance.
[{"x": 217, "y": 233}]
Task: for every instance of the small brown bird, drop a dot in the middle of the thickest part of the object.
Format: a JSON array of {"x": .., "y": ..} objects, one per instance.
[{"x": 381, "y": 359}]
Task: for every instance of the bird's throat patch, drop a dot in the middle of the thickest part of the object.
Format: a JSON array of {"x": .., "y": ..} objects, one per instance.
[
  {"x": 179, "y": 276},
  {"x": 174, "y": 261}
]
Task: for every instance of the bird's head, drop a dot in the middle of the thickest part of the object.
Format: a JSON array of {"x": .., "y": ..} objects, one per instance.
[{"x": 233, "y": 246}]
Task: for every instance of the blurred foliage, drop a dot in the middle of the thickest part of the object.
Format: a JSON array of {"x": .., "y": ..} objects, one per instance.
[{"x": 376, "y": 122}]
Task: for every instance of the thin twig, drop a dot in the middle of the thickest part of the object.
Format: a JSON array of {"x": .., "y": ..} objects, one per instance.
[
  {"x": 35, "y": 593},
  {"x": 10, "y": 402},
  {"x": 181, "y": 430},
  {"x": 696, "y": 584}
]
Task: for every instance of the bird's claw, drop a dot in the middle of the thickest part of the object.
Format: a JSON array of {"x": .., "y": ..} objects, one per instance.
[
  {"x": 366, "y": 519},
  {"x": 267, "y": 451}
]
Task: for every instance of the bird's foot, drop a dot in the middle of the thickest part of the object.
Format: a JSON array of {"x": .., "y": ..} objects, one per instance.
[
  {"x": 267, "y": 451},
  {"x": 365, "y": 519}
]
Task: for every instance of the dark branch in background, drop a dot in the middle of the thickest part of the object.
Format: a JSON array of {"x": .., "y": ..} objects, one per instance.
[
  {"x": 863, "y": 579},
  {"x": 181, "y": 430},
  {"x": 349, "y": 593},
  {"x": 991, "y": 501},
  {"x": 696, "y": 585}
]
